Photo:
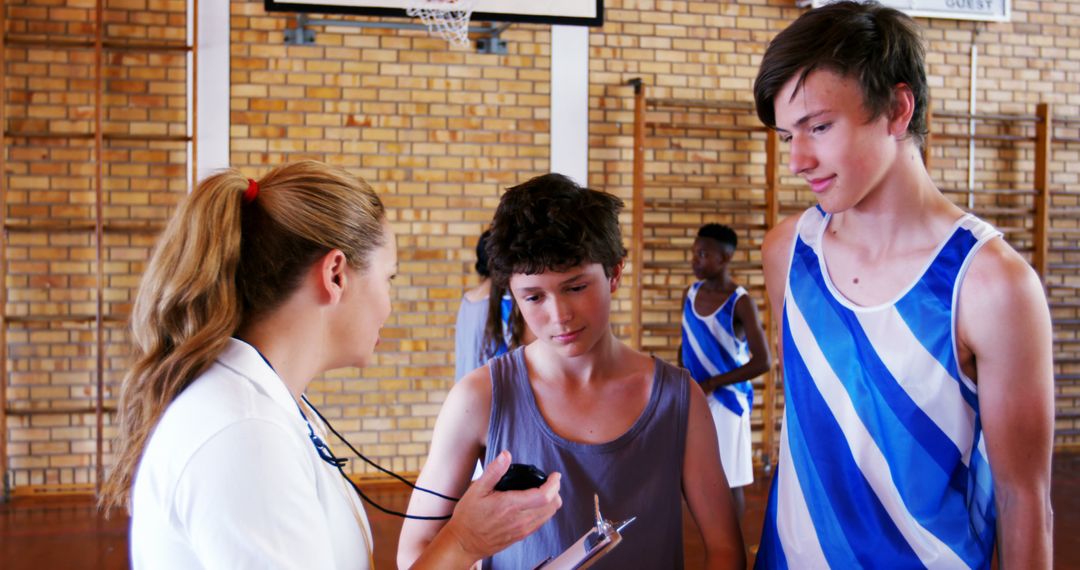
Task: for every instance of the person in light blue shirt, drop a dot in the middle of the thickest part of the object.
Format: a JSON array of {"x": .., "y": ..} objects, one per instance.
[
  {"x": 470, "y": 350},
  {"x": 488, "y": 324}
]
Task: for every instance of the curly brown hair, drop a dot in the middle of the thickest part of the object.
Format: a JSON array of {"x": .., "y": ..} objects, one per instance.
[{"x": 551, "y": 223}]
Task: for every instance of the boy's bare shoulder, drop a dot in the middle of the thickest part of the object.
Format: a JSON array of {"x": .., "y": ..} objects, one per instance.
[
  {"x": 999, "y": 276},
  {"x": 999, "y": 291},
  {"x": 464, "y": 414},
  {"x": 473, "y": 388},
  {"x": 778, "y": 240}
]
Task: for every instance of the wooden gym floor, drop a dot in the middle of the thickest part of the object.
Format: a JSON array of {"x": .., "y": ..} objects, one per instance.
[{"x": 67, "y": 532}]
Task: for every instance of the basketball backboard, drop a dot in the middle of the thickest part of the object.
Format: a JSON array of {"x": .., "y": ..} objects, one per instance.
[{"x": 564, "y": 12}]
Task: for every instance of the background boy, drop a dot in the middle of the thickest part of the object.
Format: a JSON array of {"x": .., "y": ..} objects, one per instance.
[
  {"x": 916, "y": 343},
  {"x": 613, "y": 421},
  {"x": 724, "y": 347}
]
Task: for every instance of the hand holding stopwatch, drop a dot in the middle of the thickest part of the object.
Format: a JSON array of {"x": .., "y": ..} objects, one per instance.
[{"x": 519, "y": 477}]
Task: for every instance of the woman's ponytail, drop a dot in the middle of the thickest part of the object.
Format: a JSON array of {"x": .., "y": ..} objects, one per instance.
[{"x": 184, "y": 313}]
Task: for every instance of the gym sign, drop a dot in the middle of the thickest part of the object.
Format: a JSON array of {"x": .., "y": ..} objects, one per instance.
[{"x": 989, "y": 10}]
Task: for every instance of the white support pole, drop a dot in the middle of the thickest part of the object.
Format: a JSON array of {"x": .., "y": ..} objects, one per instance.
[
  {"x": 212, "y": 114},
  {"x": 570, "y": 102},
  {"x": 972, "y": 102}
]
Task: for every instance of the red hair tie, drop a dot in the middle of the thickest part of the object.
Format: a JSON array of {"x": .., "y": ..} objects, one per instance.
[{"x": 252, "y": 191}]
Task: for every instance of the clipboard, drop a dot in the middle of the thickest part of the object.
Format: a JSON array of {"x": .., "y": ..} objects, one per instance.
[{"x": 593, "y": 545}]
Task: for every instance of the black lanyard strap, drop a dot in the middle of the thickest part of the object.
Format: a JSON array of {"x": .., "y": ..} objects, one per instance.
[{"x": 327, "y": 455}]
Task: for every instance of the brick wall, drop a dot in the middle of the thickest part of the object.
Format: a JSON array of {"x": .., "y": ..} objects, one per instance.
[
  {"x": 52, "y": 285},
  {"x": 439, "y": 132}
]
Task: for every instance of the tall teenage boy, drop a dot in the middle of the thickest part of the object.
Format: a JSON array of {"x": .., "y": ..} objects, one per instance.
[{"x": 916, "y": 343}]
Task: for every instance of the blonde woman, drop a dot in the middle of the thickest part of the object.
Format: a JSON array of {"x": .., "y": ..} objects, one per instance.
[{"x": 255, "y": 288}]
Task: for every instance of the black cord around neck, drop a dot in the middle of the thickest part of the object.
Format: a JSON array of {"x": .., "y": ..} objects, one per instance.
[
  {"x": 327, "y": 455},
  {"x": 340, "y": 465}
]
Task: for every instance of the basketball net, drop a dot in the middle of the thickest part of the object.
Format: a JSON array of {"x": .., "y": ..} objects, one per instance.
[{"x": 449, "y": 19}]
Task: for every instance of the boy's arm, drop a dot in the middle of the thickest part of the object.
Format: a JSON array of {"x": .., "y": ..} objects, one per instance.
[
  {"x": 485, "y": 521},
  {"x": 776, "y": 257},
  {"x": 706, "y": 490},
  {"x": 760, "y": 359},
  {"x": 1004, "y": 325}
]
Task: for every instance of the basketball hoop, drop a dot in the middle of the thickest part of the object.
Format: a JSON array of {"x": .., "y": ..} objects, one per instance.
[{"x": 449, "y": 19}]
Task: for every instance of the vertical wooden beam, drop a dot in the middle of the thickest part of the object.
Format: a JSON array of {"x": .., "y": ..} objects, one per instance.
[
  {"x": 5, "y": 487},
  {"x": 637, "y": 250},
  {"x": 772, "y": 217},
  {"x": 1044, "y": 134},
  {"x": 193, "y": 95},
  {"x": 99, "y": 182}
]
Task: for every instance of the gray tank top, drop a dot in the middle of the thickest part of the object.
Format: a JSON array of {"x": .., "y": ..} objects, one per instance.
[{"x": 637, "y": 474}]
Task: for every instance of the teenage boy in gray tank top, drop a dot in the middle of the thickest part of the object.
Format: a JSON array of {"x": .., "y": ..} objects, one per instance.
[{"x": 578, "y": 401}]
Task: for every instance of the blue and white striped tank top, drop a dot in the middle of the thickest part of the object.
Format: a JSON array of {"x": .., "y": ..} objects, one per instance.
[
  {"x": 882, "y": 460},
  {"x": 710, "y": 347}
]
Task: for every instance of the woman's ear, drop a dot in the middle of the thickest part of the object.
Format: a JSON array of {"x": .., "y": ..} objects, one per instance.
[
  {"x": 903, "y": 108},
  {"x": 331, "y": 275}
]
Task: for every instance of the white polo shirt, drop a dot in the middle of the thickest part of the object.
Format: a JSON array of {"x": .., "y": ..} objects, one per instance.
[{"x": 230, "y": 479}]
